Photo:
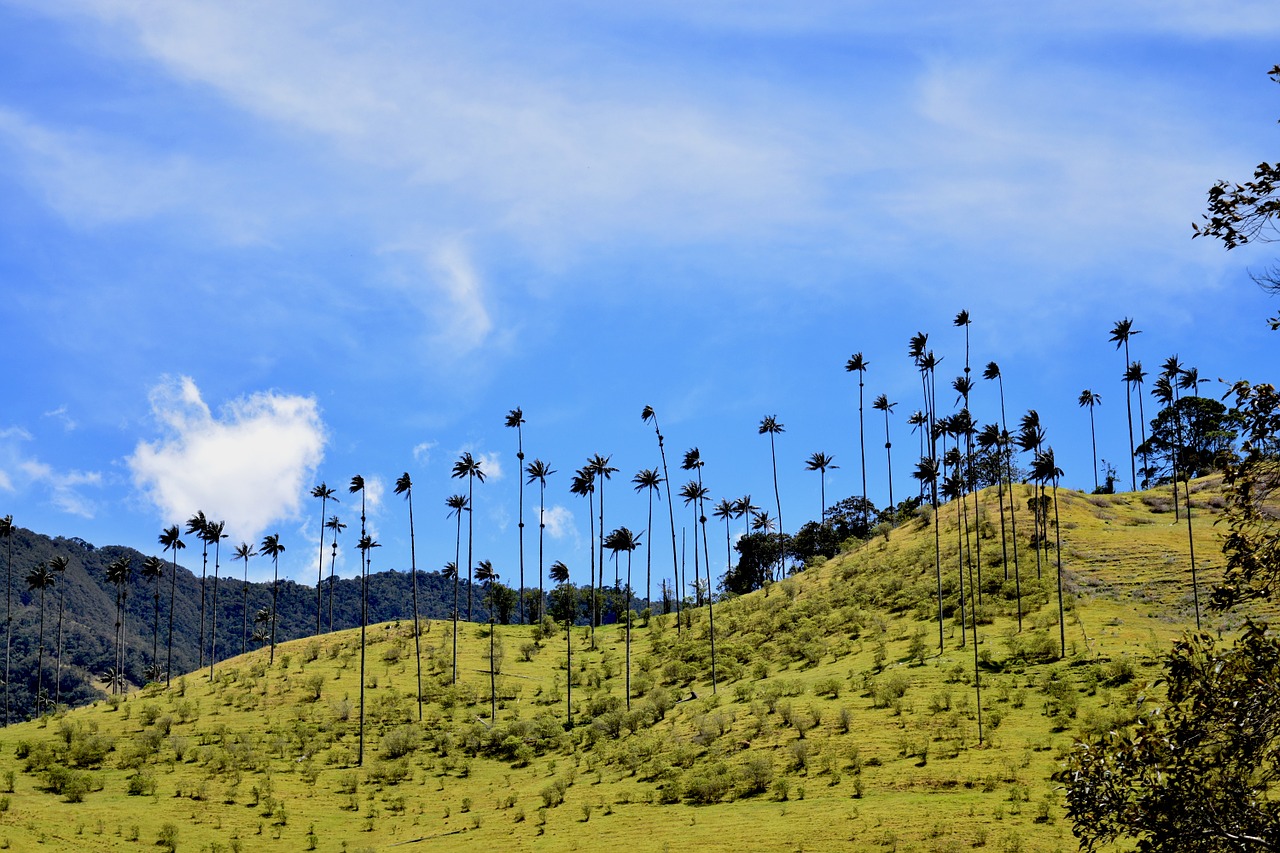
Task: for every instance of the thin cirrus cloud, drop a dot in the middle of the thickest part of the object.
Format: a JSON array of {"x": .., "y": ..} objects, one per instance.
[
  {"x": 247, "y": 464},
  {"x": 20, "y": 472}
]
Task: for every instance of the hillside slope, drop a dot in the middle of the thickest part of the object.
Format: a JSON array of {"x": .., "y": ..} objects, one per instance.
[{"x": 834, "y": 724}]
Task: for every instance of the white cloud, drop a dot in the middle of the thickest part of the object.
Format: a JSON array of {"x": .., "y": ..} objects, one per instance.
[
  {"x": 559, "y": 521},
  {"x": 249, "y": 465},
  {"x": 60, "y": 413},
  {"x": 491, "y": 464},
  {"x": 422, "y": 451}
]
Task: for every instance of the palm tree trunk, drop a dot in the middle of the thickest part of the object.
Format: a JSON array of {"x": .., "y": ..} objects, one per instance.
[
  {"x": 627, "y": 612},
  {"x": 244, "y": 610},
  {"x": 155, "y": 630},
  {"x": 417, "y": 630},
  {"x": 457, "y": 552},
  {"x": 671, "y": 514},
  {"x": 364, "y": 621},
  {"x": 778, "y": 499},
  {"x": 213, "y": 628},
  {"x": 470, "y": 535},
  {"x": 8, "y": 619},
  {"x": 40, "y": 657},
  {"x": 57, "y": 669},
  {"x": 1093, "y": 437},
  {"x": 542, "y": 526},
  {"x": 173, "y": 596},
  {"x": 1128, "y": 406},
  {"x": 204, "y": 568},
  {"x": 324, "y": 500},
  {"x": 1057, "y": 526}
]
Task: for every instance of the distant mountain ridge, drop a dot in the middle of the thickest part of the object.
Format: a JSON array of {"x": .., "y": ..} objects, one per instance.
[{"x": 90, "y": 612}]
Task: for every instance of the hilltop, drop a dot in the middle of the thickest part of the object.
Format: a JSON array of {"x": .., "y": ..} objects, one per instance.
[{"x": 834, "y": 722}]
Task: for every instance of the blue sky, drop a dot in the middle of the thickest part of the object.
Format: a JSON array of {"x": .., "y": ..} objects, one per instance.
[{"x": 246, "y": 247}]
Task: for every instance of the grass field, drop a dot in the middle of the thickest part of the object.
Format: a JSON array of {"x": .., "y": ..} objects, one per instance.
[{"x": 835, "y": 723}]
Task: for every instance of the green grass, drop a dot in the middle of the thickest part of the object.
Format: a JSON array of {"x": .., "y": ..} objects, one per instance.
[{"x": 836, "y": 723}]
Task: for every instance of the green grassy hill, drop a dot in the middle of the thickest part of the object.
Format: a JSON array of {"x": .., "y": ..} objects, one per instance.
[{"x": 835, "y": 722}]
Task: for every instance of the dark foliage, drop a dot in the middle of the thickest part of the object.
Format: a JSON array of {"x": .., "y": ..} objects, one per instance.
[{"x": 1196, "y": 432}]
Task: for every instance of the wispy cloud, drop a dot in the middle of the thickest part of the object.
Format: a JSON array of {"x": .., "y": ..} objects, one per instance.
[
  {"x": 248, "y": 465},
  {"x": 20, "y": 471},
  {"x": 560, "y": 523}
]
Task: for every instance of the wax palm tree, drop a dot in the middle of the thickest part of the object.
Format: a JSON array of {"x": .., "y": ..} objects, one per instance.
[
  {"x": 1134, "y": 375},
  {"x": 244, "y": 551},
  {"x": 649, "y": 480},
  {"x": 926, "y": 472},
  {"x": 1031, "y": 440},
  {"x": 458, "y": 504},
  {"x": 1006, "y": 448},
  {"x": 6, "y": 531},
  {"x": 600, "y": 467},
  {"x": 540, "y": 471},
  {"x": 1120, "y": 334},
  {"x": 743, "y": 508},
  {"x": 1045, "y": 469},
  {"x": 515, "y": 420},
  {"x": 488, "y": 577},
  {"x": 918, "y": 422},
  {"x": 860, "y": 364},
  {"x": 990, "y": 442},
  {"x": 198, "y": 525},
  {"x": 623, "y": 539},
  {"x": 1173, "y": 374},
  {"x": 153, "y": 570},
  {"x": 882, "y": 404},
  {"x": 325, "y": 494},
  {"x": 696, "y": 493},
  {"x": 1090, "y": 399},
  {"x": 335, "y": 524},
  {"x": 40, "y": 578},
  {"x": 59, "y": 565},
  {"x": 171, "y": 540},
  {"x": 724, "y": 511},
  {"x": 820, "y": 462},
  {"x": 646, "y": 415},
  {"x": 693, "y": 462},
  {"x": 1190, "y": 380},
  {"x": 272, "y": 548},
  {"x": 584, "y": 485},
  {"x": 560, "y": 574},
  {"x": 366, "y": 545},
  {"x": 770, "y": 426},
  {"x": 214, "y": 532},
  {"x": 962, "y": 322},
  {"x": 404, "y": 486},
  {"x": 468, "y": 466},
  {"x": 118, "y": 572},
  {"x": 691, "y": 492}
]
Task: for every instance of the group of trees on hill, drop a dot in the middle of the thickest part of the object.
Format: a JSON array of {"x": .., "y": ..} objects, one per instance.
[{"x": 1198, "y": 770}]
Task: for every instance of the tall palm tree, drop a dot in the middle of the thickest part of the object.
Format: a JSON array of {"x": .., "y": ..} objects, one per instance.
[
  {"x": 244, "y": 551},
  {"x": 584, "y": 484},
  {"x": 1173, "y": 374},
  {"x": 724, "y": 511},
  {"x": 325, "y": 494},
  {"x": 1006, "y": 449},
  {"x": 458, "y": 504},
  {"x": 691, "y": 492},
  {"x": 171, "y": 540},
  {"x": 59, "y": 565},
  {"x": 1090, "y": 399},
  {"x": 40, "y": 578},
  {"x": 6, "y": 531},
  {"x": 515, "y": 420},
  {"x": 272, "y": 548},
  {"x": 648, "y": 479},
  {"x": 468, "y": 466},
  {"x": 693, "y": 462},
  {"x": 153, "y": 570},
  {"x": 743, "y": 508},
  {"x": 1120, "y": 334},
  {"x": 927, "y": 472},
  {"x": 488, "y": 577},
  {"x": 198, "y": 525},
  {"x": 404, "y": 486},
  {"x": 882, "y": 404},
  {"x": 366, "y": 544},
  {"x": 623, "y": 539},
  {"x": 697, "y": 493},
  {"x": 770, "y": 426},
  {"x": 540, "y": 471},
  {"x": 918, "y": 422},
  {"x": 214, "y": 532},
  {"x": 646, "y": 415},
  {"x": 820, "y": 462},
  {"x": 1031, "y": 440},
  {"x": 118, "y": 572},
  {"x": 335, "y": 524},
  {"x": 1134, "y": 375},
  {"x": 560, "y": 574},
  {"x": 860, "y": 364},
  {"x": 1044, "y": 469},
  {"x": 600, "y": 467},
  {"x": 962, "y": 322}
]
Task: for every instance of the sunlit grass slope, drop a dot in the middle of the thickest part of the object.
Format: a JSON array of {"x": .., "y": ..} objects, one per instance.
[{"x": 834, "y": 724}]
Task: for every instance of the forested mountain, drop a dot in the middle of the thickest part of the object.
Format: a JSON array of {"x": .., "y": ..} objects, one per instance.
[{"x": 89, "y": 615}]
